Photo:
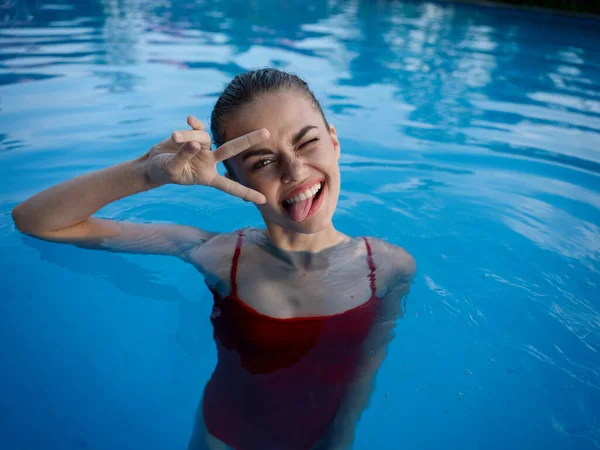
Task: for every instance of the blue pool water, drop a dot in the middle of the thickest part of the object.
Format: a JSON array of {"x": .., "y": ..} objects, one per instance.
[{"x": 470, "y": 136}]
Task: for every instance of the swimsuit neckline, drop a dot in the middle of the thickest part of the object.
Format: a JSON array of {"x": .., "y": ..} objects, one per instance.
[
  {"x": 233, "y": 294},
  {"x": 253, "y": 311}
]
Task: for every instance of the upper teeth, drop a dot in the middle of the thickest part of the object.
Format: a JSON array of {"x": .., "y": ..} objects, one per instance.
[{"x": 304, "y": 195}]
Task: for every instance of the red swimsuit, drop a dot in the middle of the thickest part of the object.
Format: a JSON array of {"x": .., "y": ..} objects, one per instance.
[{"x": 279, "y": 382}]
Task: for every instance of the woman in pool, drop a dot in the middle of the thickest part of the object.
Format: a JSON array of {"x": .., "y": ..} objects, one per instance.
[{"x": 302, "y": 313}]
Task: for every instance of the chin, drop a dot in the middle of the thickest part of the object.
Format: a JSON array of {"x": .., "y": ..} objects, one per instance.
[{"x": 311, "y": 226}]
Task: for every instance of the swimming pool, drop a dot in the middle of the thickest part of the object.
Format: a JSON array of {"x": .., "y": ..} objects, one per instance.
[{"x": 470, "y": 136}]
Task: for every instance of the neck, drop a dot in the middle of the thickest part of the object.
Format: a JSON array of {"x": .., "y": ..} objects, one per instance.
[{"x": 297, "y": 242}]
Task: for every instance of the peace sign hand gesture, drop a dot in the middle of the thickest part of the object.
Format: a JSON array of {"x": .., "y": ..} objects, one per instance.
[{"x": 186, "y": 158}]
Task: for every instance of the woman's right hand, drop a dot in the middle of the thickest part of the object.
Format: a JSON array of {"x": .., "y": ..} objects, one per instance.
[{"x": 186, "y": 158}]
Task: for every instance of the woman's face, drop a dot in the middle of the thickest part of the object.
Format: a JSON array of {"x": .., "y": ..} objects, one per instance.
[{"x": 296, "y": 169}]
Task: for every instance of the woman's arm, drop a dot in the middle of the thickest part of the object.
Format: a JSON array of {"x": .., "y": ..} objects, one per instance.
[
  {"x": 55, "y": 210},
  {"x": 63, "y": 212},
  {"x": 360, "y": 388}
]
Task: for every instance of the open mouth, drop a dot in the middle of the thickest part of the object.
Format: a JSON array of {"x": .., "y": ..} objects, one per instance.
[{"x": 306, "y": 203}]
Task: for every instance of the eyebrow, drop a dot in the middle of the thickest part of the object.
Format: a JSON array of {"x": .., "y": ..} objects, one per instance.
[
  {"x": 300, "y": 134},
  {"x": 265, "y": 151}
]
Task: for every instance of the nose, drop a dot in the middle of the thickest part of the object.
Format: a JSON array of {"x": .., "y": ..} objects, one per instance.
[{"x": 293, "y": 170}]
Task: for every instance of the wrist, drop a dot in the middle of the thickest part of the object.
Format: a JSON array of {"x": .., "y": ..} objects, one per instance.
[{"x": 139, "y": 167}]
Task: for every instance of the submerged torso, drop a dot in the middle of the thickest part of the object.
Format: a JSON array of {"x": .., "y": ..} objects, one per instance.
[
  {"x": 290, "y": 329},
  {"x": 286, "y": 284}
]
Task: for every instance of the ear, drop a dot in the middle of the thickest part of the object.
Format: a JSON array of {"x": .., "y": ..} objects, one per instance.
[{"x": 335, "y": 141}]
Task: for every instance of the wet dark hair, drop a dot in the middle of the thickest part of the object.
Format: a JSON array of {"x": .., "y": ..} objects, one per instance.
[{"x": 247, "y": 87}]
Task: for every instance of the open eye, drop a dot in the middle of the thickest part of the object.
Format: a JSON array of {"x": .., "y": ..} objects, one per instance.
[{"x": 262, "y": 163}]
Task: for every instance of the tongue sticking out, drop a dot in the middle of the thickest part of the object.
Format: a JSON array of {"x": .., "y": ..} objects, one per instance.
[{"x": 299, "y": 210}]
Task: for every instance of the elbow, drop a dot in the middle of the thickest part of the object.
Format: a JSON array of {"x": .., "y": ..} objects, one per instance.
[
  {"x": 20, "y": 219},
  {"x": 17, "y": 216}
]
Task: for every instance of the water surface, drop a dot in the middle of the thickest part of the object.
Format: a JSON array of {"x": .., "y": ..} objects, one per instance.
[{"x": 470, "y": 136}]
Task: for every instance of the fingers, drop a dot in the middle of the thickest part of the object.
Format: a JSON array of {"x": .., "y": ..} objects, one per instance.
[
  {"x": 183, "y": 156},
  {"x": 182, "y": 136},
  {"x": 238, "y": 190},
  {"x": 235, "y": 146},
  {"x": 195, "y": 123}
]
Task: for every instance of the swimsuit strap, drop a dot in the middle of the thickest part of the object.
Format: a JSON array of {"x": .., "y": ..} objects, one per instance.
[
  {"x": 234, "y": 263},
  {"x": 372, "y": 276}
]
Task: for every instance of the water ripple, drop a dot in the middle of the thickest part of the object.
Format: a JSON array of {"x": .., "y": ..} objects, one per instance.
[{"x": 469, "y": 135}]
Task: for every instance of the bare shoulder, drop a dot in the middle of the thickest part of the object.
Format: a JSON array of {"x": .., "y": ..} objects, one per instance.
[
  {"x": 395, "y": 259},
  {"x": 214, "y": 257},
  {"x": 395, "y": 268}
]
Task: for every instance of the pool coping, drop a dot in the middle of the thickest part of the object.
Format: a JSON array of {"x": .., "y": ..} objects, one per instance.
[{"x": 538, "y": 9}]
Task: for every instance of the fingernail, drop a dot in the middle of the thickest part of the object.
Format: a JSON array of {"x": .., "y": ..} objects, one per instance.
[{"x": 178, "y": 136}]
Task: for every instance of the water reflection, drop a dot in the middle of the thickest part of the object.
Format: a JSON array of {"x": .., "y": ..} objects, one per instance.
[
  {"x": 452, "y": 73},
  {"x": 473, "y": 132},
  {"x": 125, "y": 275}
]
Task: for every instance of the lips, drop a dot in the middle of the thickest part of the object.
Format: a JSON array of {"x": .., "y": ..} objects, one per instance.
[
  {"x": 304, "y": 195},
  {"x": 303, "y": 189},
  {"x": 304, "y": 201}
]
